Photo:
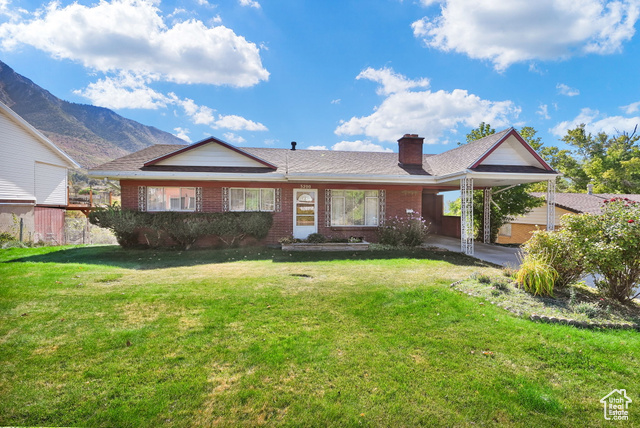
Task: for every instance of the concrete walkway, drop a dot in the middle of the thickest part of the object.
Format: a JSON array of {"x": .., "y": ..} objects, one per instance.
[{"x": 496, "y": 254}]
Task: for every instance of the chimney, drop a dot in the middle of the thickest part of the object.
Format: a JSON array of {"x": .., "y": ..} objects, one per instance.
[
  {"x": 590, "y": 189},
  {"x": 293, "y": 145},
  {"x": 410, "y": 150}
]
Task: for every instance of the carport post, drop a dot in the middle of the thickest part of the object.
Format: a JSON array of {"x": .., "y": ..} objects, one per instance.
[
  {"x": 487, "y": 215},
  {"x": 551, "y": 205},
  {"x": 466, "y": 216}
]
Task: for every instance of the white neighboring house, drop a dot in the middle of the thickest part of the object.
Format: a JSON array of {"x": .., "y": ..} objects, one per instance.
[{"x": 33, "y": 181}]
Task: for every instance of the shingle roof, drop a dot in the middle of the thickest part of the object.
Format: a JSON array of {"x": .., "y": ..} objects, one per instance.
[
  {"x": 288, "y": 161},
  {"x": 464, "y": 156},
  {"x": 584, "y": 202}
]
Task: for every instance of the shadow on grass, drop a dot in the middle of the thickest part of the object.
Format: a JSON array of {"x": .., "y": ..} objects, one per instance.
[{"x": 166, "y": 258}]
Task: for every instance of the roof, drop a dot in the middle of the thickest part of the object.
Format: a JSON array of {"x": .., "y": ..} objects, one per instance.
[
  {"x": 38, "y": 136},
  {"x": 584, "y": 202},
  {"x": 280, "y": 163}
]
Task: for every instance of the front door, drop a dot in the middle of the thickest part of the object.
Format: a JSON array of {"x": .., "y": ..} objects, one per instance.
[{"x": 305, "y": 212}]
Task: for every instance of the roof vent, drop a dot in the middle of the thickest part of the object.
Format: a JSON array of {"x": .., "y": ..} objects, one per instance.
[
  {"x": 590, "y": 189},
  {"x": 293, "y": 145}
]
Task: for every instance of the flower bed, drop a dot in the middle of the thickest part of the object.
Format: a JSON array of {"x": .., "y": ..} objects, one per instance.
[{"x": 326, "y": 246}]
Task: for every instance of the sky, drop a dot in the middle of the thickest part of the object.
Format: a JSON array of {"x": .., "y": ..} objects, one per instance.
[{"x": 336, "y": 75}]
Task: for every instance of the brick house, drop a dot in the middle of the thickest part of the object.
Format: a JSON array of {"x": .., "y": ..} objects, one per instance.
[
  {"x": 335, "y": 193},
  {"x": 520, "y": 229}
]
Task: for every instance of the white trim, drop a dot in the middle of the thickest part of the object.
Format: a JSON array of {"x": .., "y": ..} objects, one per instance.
[{"x": 295, "y": 214}]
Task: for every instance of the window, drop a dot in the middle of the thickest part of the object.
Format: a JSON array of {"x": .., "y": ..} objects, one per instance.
[
  {"x": 505, "y": 230},
  {"x": 171, "y": 198},
  {"x": 354, "y": 208},
  {"x": 252, "y": 199}
]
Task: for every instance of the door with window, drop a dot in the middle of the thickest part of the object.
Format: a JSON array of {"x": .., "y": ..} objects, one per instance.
[{"x": 305, "y": 212}]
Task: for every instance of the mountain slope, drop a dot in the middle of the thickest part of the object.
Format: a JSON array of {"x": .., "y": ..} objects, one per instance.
[{"x": 91, "y": 135}]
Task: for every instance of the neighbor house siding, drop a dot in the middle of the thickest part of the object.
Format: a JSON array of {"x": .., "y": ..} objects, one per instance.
[
  {"x": 19, "y": 151},
  {"x": 398, "y": 199},
  {"x": 522, "y": 227}
]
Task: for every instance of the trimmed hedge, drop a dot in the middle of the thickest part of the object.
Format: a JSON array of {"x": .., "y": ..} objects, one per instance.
[{"x": 183, "y": 228}]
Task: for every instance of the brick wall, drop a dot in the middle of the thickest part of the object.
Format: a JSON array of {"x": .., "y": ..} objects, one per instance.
[
  {"x": 398, "y": 200},
  {"x": 520, "y": 233}
]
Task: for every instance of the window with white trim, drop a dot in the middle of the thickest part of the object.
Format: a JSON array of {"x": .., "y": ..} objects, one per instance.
[
  {"x": 354, "y": 208},
  {"x": 247, "y": 199},
  {"x": 171, "y": 198}
]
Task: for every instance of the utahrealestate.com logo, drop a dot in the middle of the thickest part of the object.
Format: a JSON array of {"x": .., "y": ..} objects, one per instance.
[{"x": 616, "y": 405}]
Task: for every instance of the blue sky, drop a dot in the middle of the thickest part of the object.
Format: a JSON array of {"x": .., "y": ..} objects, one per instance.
[{"x": 336, "y": 74}]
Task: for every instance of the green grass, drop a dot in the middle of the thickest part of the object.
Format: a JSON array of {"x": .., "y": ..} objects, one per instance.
[{"x": 99, "y": 336}]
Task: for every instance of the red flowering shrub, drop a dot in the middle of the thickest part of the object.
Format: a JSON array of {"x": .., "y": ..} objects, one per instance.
[{"x": 609, "y": 244}]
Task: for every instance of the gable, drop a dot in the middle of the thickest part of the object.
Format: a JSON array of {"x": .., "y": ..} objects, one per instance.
[
  {"x": 511, "y": 152},
  {"x": 210, "y": 153}
]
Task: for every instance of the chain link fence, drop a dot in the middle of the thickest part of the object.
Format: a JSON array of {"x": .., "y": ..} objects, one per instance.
[{"x": 77, "y": 230}]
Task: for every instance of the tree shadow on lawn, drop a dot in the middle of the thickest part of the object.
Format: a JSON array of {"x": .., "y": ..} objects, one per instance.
[{"x": 147, "y": 258}]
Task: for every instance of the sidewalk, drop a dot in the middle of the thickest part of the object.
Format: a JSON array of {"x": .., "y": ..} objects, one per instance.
[{"x": 496, "y": 254}]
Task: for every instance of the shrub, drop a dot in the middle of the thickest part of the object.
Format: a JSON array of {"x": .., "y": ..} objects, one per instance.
[
  {"x": 396, "y": 231},
  {"x": 183, "y": 228},
  {"x": 316, "y": 238},
  {"x": 536, "y": 276},
  {"x": 609, "y": 244},
  {"x": 123, "y": 223},
  {"x": 6, "y": 237},
  {"x": 558, "y": 251}
]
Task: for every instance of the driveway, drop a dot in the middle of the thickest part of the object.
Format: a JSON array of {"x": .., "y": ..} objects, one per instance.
[{"x": 496, "y": 254}]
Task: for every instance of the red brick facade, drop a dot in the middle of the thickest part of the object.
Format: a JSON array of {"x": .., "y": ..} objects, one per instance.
[{"x": 398, "y": 199}]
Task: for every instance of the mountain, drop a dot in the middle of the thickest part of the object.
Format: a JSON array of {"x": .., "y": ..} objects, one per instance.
[{"x": 90, "y": 135}]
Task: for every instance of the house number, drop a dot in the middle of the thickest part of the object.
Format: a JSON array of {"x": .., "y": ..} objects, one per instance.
[{"x": 305, "y": 186}]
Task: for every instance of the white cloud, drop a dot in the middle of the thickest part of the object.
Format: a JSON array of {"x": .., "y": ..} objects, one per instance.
[
  {"x": 427, "y": 113},
  {"x": 237, "y": 123},
  {"x": 359, "y": 146},
  {"x": 631, "y": 108},
  {"x": 124, "y": 91},
  {"x": 390, "y": 81},
  {"x": 131, "y": 36},
  {"x": 249, "y": 3},
  {"x": 317, "y": 148},
  {"x": 200, "y": 115},
  {"x": 233, "y": 138},
  {"x": 183, "y": 134},
  {"x": 507, "y": 32},
  {"x": 543, "y": 111},
  {"x": 566, "y": 90},
  {"x": 336, "y": 101},
  {"x": 596, "y": 122}
]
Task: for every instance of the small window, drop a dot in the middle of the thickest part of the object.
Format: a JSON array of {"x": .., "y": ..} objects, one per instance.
[
  {"x": 252, "y": 199},
  {"x": 171, "y": 199},
  {"x": 505, "y": 230}
]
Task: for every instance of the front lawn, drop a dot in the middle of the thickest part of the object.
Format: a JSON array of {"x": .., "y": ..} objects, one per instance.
[{"x": 100, "y": 336}]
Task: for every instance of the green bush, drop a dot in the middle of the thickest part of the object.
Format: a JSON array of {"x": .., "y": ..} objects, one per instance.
[
  {"x": 536, "y": 276},
  {"x": 123, "y": 223},
  {"x": 609, "y": 244},
  {"x": 6, "y": 237},
  {"x": 183, "y": 228},
  {"x": 558, "y": 251},
  {"x": 397, "y": 231},
  {"x": 316, "y": 238}
]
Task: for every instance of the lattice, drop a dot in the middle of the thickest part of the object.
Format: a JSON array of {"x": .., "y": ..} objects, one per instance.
[
  {"x": 466, "y": 218},
  {"x": 142, "y": 198},
  {"x": 551, "y": 205}
]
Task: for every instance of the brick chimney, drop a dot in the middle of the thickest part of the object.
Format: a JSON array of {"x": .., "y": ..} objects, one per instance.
[{"x": 410, "y": 150}]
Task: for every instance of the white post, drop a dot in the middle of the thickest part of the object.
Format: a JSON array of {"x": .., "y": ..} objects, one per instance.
[
  {"x": 466, "y": 217},
  {"x": 487, "y": 215},
  {"x": 551, "y": 205}
]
